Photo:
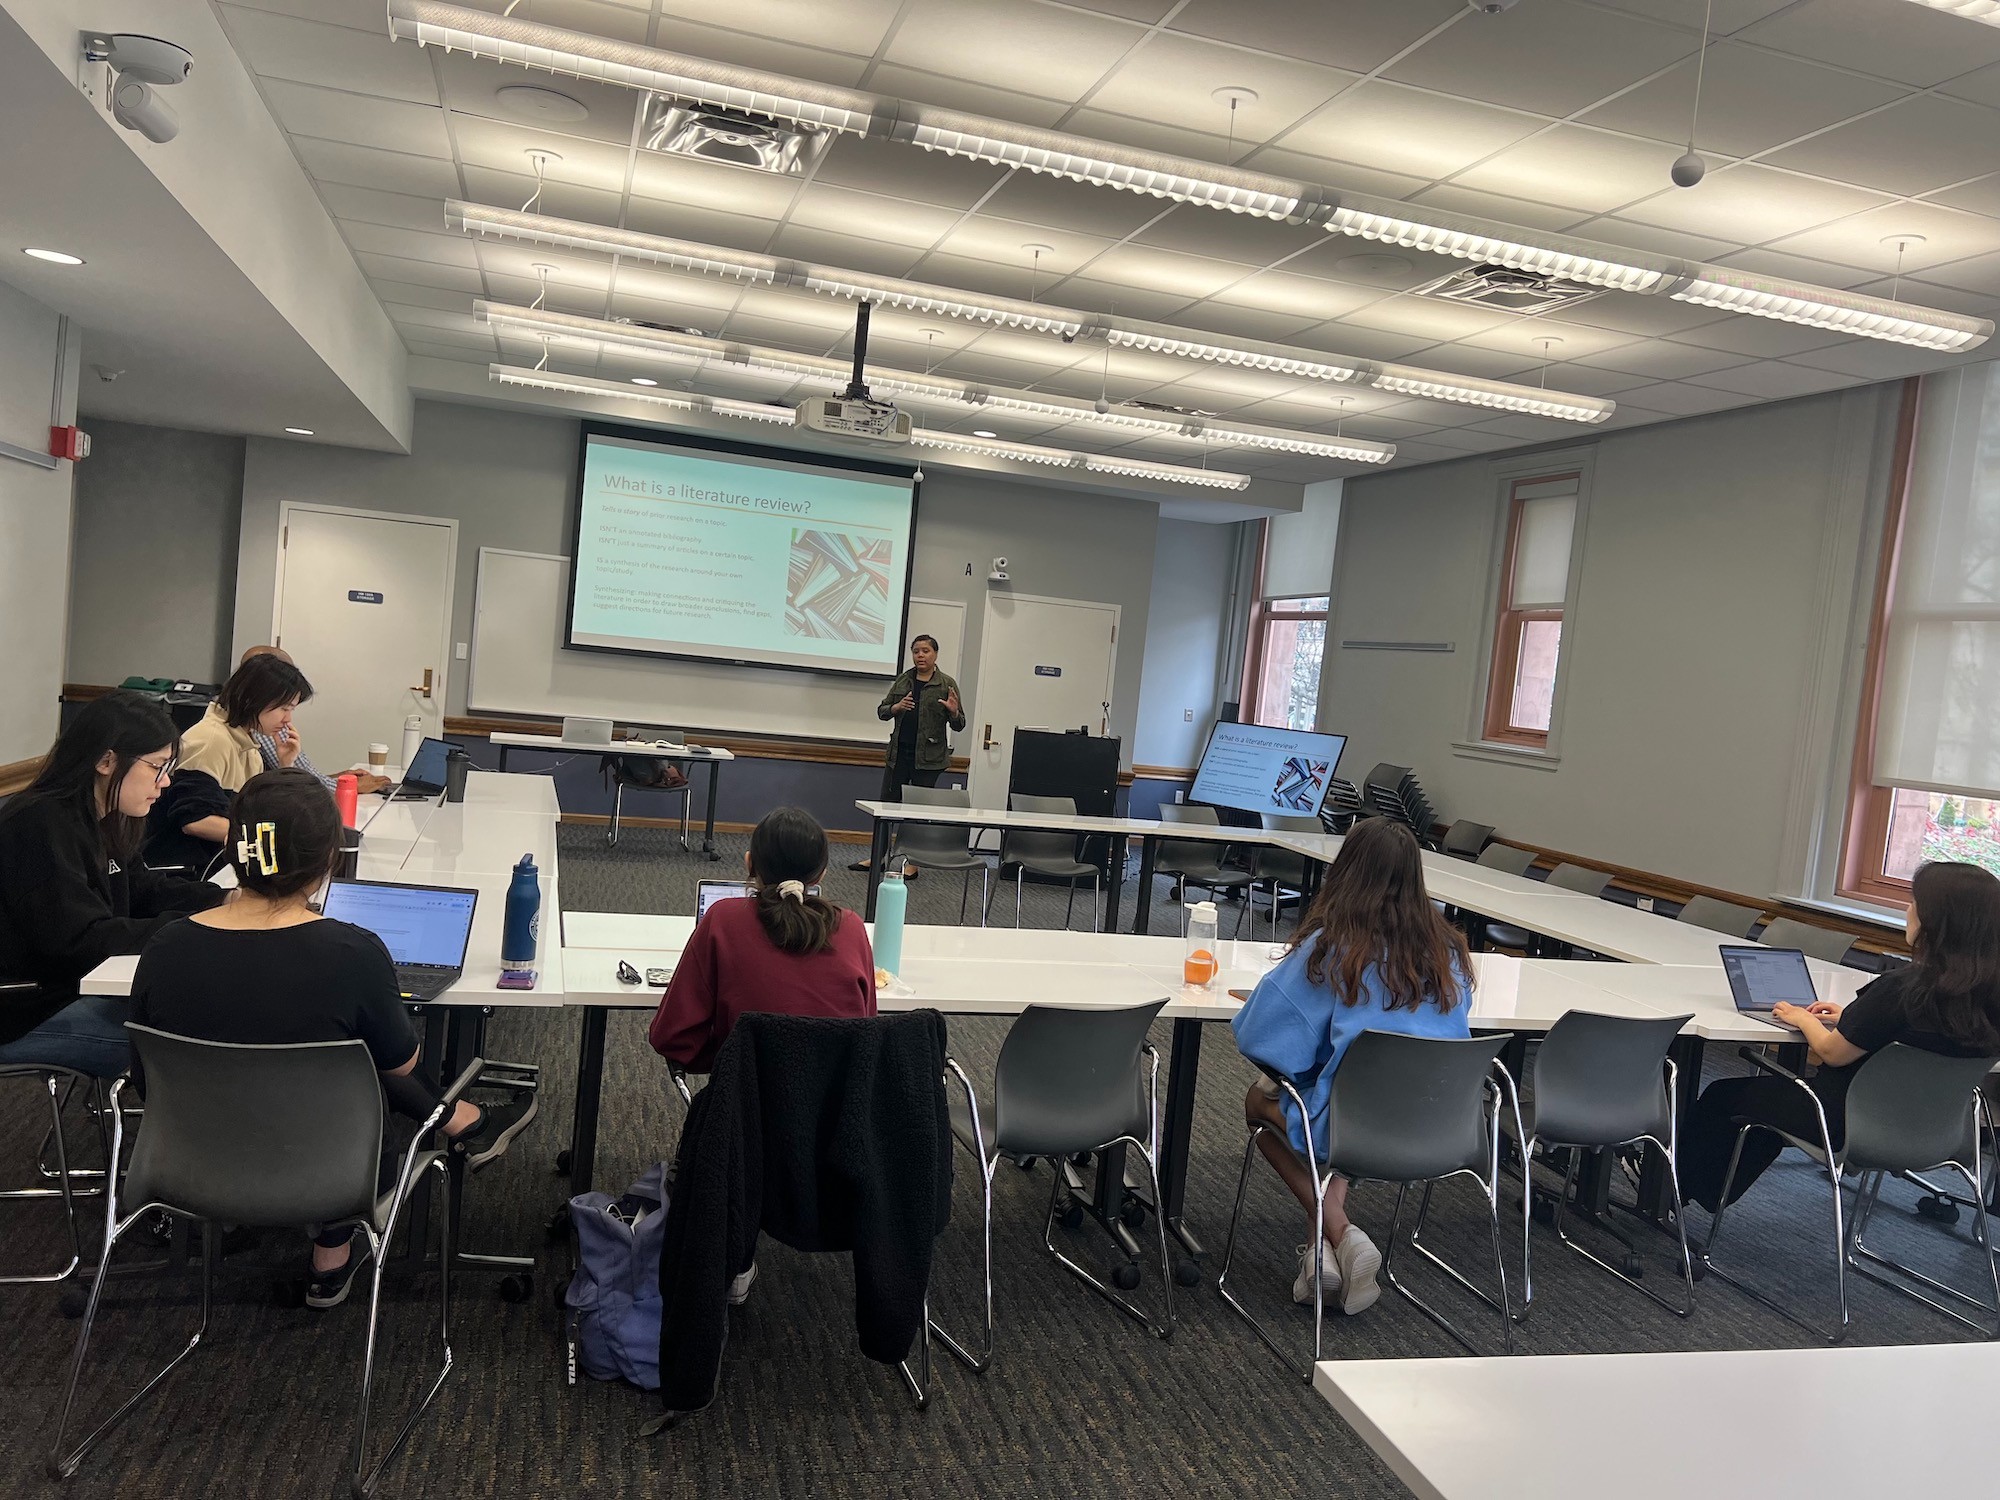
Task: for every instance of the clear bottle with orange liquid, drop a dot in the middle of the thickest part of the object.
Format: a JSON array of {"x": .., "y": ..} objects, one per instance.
[{"x": 1199, "y": 967}]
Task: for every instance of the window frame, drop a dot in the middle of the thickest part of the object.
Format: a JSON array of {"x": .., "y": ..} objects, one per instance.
[
  {"x": 1503, "y": 655},
  {"x": 1263, "y": 615},
  {"x": 1864, "y": 835}
]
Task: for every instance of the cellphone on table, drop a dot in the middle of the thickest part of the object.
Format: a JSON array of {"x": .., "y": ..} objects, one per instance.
[
  {"x": 659, "y": 977},
  {"x": 1239, "y": 994},
  {"x": 515, "y": 979}
]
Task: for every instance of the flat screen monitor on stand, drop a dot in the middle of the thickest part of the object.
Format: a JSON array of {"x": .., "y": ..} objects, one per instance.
[{"x": 1260, "y": 768}]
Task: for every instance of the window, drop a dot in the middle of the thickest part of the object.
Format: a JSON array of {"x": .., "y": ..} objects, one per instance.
[
  {"x": 1288, "y": 645},
  {"x": 1534, "y": 585},
  {"x": 1926, "y": 782}
]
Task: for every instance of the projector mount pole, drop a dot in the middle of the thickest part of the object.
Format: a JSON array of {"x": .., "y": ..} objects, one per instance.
[{"x": 857, "y": 385}]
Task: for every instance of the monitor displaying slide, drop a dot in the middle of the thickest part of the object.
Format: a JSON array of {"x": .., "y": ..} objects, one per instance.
[
  {"x": 1261, "y": 769},
  {"x": 742, "y": 555}
]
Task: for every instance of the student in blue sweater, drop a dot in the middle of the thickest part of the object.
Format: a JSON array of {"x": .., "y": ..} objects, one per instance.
[{"x": 1371, "y": 954}]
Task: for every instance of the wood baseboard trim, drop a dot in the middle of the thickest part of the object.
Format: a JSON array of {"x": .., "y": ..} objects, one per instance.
[
  {"x": 17, "y": 774},
  {"x": 1163, "y": 773},
  {"x": 603, "y": 820}
]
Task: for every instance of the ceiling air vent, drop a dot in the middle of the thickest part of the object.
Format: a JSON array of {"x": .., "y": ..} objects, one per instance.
[
  {"x": 722, "y": 135},
  {"x": 1502, "y": 289}
]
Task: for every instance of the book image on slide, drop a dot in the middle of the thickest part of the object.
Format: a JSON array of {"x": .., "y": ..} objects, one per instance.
[
  {"x": 1301, "y": 783},
  {"x": 838, "y": 586}
]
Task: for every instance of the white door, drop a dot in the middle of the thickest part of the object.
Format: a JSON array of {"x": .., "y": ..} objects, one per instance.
[
  {"x": 364, "y": 607},
  {"x": 1043, "y": 664}
]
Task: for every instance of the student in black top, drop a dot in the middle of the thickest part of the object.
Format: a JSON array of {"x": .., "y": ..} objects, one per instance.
[
  {"x": 266, "y": 968},
  {"x": 1947, "y": 1001},
  {"x": 72, "y": 890}
]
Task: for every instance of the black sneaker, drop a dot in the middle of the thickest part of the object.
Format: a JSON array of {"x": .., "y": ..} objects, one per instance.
[
  {"x": 498, "y": 1124},
  {"x": 326, "y": 1289}
]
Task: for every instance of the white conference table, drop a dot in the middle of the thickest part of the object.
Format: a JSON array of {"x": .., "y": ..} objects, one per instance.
[
  {"x": 1833, "y": 1423},
  {"x": 712, "y": 756}
]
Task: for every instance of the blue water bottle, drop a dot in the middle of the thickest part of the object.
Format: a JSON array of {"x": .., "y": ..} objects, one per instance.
[
  {"x": 523, "y": 930},
  {"x": 892, "y": 900}
]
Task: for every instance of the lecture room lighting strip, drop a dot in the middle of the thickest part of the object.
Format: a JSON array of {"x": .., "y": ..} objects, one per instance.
[
  {"x": 542, "y": 323},
  {"x": 754, "y": 411},
  {"x": 576, "y": 54},
  {"x": 1066, "y": 323}
]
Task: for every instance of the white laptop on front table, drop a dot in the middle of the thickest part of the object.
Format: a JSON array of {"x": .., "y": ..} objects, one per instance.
[{"x": 587, "y": 731}]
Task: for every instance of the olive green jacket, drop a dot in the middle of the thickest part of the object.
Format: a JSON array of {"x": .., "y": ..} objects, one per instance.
[{"x": 933, "y": 747}]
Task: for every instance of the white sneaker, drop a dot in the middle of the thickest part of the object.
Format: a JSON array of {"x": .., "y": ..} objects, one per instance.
[
  {"x": 1329, "y": 1277},
  {"x": 739, "y": 1286},
  {"x": 1359, "y": 1263}
]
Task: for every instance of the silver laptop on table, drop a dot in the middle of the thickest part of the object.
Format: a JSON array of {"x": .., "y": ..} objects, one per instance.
[
  {"x": 587, "y": 731},
  {"x": 1760, "y": 978}
]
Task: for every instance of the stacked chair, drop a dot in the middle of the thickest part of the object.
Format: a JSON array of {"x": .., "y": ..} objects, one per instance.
[{"x": 1394, "y": 792}]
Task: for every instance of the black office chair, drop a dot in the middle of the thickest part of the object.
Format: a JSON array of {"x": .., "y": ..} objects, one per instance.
[
  {"x": 1581, "y": 879},
  {"x": 1049, "y": 854},
  {"x": 644, "y": 774},
  {"x": 1814, "y": 942},
  {"x": 944, "y": 846},
  {"x": 58, "y": 1084},
  {"x": 265, "y": 1137},
  {"x": 1406, "y": 1110},
  {"x": 1067, "y": 1082},
  {"x": 1720, "y": 916},
  {"x": 1907, "y": 1111},
  {"x": 1200, "y": 861},
  {"x": 1464, "y": 839},
  {"x": 1597, "y": 1083}
]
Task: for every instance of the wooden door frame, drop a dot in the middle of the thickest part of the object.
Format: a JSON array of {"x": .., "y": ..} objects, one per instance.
[{"x": 288, "y": 508}]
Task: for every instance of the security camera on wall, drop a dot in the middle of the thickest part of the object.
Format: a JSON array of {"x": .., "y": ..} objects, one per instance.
[
  {"x": 138, "y": 106},
  {"x": 140, "y": 66}
]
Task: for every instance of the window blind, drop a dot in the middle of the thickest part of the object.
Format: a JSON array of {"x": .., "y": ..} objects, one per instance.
[
  {"x": 1541, "y": 549},
  {"x": 1937, "y": 721}
]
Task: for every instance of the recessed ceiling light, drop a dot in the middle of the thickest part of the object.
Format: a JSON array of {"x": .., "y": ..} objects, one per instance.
[
  {"x": 54, "y": 257},
  {"x": 644, "y": 380},
  {"x": 982, "y": 432},
  {"x": 300, "y": 431}
]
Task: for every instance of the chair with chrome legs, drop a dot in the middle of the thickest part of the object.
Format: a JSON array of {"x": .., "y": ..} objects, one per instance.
[
  {"x": 1066, "y": 1082},
  {"x": 1049, "y": 854},
  {"x": 1282, "y": 869},
  {"x": 1200, "y": 862},
  {"x": 58, "y": 1084},
  {"x": 1906, "y": 1111},
  {"x": 944, "y": 846},
  {"x": 1406, "y": 1110},
  {"x": 1597, "y": 1083},
  {"x": 265, "y": 1137}
]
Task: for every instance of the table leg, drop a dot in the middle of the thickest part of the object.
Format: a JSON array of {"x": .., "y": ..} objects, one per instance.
[
  {"x": 439, "y": 1026},
  {"x": 1114, "y": 880},
  {"x": 1142, "y": 899},
  {"x": 503, "y": 756},
  {"x": 589, "y": 1087},
  {"x": 878, "y": 855},
  {"x": 708, "y": 825},
  {"x": 1177, "y": 1129}
]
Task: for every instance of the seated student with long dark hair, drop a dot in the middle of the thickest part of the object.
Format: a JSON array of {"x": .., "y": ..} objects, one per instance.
[
  {"x": 781, "y": 949},
  {"x": 266, "y": 969},
  {"x": 1371, "y": 954},
  {"x": 220, "y": 754},
  {"x": 1946, "y": 1000},
  {"x": 72, "y": 890}
]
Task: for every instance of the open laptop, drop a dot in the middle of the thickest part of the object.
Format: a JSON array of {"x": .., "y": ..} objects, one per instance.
[
  {"x": 586, "y": 731},
  {"x": 425, "y": 927},
  {"x": 423, "y": 777},
  {"x": 708, "y": 892},
  {"x": 1760, "y": 978}
]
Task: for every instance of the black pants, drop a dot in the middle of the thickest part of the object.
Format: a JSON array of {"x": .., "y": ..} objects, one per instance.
[
  {"x": 895, "y": 778},
  {"x": 1708, "y": 1134}
]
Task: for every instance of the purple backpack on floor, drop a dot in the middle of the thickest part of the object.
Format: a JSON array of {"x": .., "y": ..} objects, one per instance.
[{"x": 614, "y": 1297}]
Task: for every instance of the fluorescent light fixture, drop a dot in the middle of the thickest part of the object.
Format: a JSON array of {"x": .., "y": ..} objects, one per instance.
[
  {"x": 988, "y": 446},
  {"x": 584, "y": 385},
  {"x": 644, "y": 380},
  {"x": 1499, "y": 394},
  {"x": 1479, "y": 244},
  {"x": 573, "y": 234},
  {"x": 1973, "y": 10},
  {"x": 54, "y": 257},
  {"x": 944, "y": 302},
  {"x": 1331, "y": 367},
  {"x": 300, "y": 431},
  {"x": 554, "y": 49},
  {"x": 1840, "y": 312},
  {"x": 1140, "y": 468},
  {"x": 982, "y": 432}
]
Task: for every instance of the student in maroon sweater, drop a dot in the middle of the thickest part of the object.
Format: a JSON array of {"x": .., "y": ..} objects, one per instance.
[{"x": 778, "y": 950}]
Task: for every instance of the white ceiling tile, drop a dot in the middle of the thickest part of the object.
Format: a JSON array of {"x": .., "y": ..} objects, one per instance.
[
  {"x": 1425, "y": 317},
  {"x": 1523, "y": 429},
  {"x": 846, "y": 211},
  {"x": 1979, "y": 273},
  {"x": 890, "y": 167},
  {"x": 1002, "y": 242},
  {"x": 1506, "y": 58},
  {"x": 710, "y": 226},
  {"x": 473, "y": 86},
  {"x": 1360, "y": 343},
  {"x": 1651, "y": 316},
  {"x": 1660, "y": 359},
  {"x": 1872, "y": 359},
  {"x": 1346, "y": 176},
  {"x": 1927, "y": 293},
  {"x": 372, "y": 206},
  {"x": 1035, "y": 198},
  {"x": 1187, "y": 276},
  {"x": 417, "y": 346},
  {"x": 1886, "y": 38},
  {"x": 410, "y": 244},
  {"x": 852, "y": 26},
  {"x": 1980, "y": 197},
  {"x": 1982, "y": 87},
  {"x": 1679, "y": 399},
  {"x": 1491, "y": 364},
  {"x": 1406, "y": 130},
  {"x": 1297, "y": 296},
  {"x": 965, "y": 272},
  {"x": 1012, "y": 44},
  {"x": 459, "y": 322},
  {"x": 1585, "y": 381},
  {"x": 1590, "y": 170},
  {"x": 1772, "y": 379},
  {"x": 1202, "y": 231},
  {"x": 361, "y": 15},
  {"x": 510, "y": 274},
  {"x": 1913, "y": 146},
  {"x": 1359, "y": 34},
  {"x": 1117, "y": 299},
  {"x": 1723, "y": 17},
  {"x": 504, "y": 147},
  {"x": 565, "y": 200},
  {"x": 389, "y": 171},
  {"x": 1654, "y": 239},
  {"x": 1762, "y": 338},
  {"x": 1455, "y": 199},
  {"x": 357, "y": 120},
  {"x": 1947, "y": 234},
  {"x": 667, "y": 292},
  {"x": 1246, "y": 323},
  {"x": 702, "y": 184},
  {"x": 852, "y": 252},
  {"x": 1751, "y": 100},
  {"x": 1750, "y": 204},
  {"x": 332, "y": 56},
  {"x": 1782, "y": 267},
  {"x": 1192, "y": 139},
  {"x": 1523, "y": 336},
  {"x": 421, "y": 272},
  {"x": 409, "y": 294},
  {"x": 1171, "y": 79},
  {"x": 958, "y": 93},
  {"x": 774, "y": 52}
]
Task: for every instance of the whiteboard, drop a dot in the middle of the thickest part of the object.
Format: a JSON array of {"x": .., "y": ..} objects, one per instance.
[{"x": 519, "y": 666}]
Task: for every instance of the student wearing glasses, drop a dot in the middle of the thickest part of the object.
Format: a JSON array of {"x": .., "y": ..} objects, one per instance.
[
  {"x": 72, "y": 890},
  {"x": 218, "y": 757}
]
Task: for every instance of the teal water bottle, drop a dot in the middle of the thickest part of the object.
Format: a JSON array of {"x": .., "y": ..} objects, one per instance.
[
  {"x": 522, "y": 931},
  {"x": 892, "y": 900}
]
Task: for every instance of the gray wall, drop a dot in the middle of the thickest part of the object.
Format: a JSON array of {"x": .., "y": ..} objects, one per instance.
[
  {"x": 1192, "y": 562},
  {"x": 1718, "y": 577},
  {"x": 153, "y": 585},
  {"x": 507, "y": 478}
]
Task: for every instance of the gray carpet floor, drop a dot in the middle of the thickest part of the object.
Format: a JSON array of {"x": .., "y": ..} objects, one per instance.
[{"x": 1079, "y": 1400}]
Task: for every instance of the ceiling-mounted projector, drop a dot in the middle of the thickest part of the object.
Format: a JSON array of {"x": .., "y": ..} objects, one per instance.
[{"x": 855, "y": 417}]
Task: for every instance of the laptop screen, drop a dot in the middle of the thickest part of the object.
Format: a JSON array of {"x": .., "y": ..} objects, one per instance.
[
  {"x": 426, "y": 767},
  {"x": 708, "y": 892},
  {"x": 1760, "y": 978},
  {"x": 424, "y": 925}
]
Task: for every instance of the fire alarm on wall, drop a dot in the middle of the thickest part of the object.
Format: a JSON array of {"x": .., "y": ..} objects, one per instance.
[{"x": 69, "y": 442}]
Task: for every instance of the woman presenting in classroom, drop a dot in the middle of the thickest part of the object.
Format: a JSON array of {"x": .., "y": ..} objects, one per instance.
[{"x": 923, "y": 703}]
